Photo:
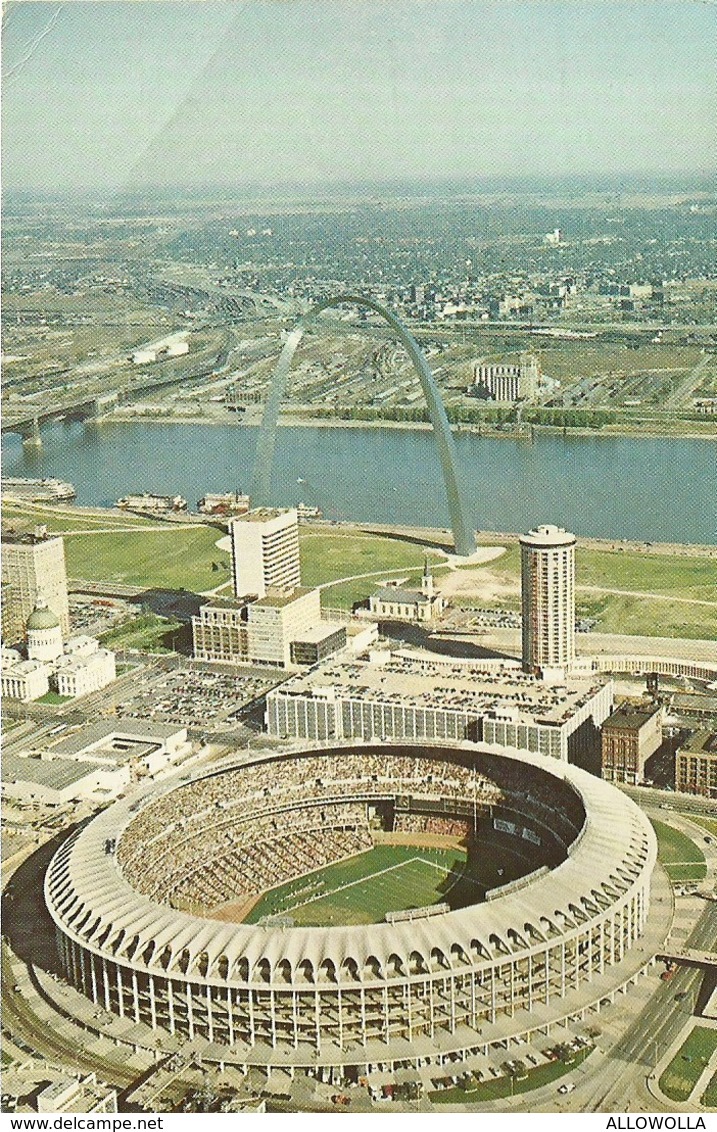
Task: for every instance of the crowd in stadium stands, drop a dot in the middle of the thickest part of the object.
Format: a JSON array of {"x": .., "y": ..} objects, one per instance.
[
  {"x": 250, "y": 870},
  {"x": 422, "y": 823},
  {"x": 279, "y": 837},
  {"x": 277, "y": 819}
]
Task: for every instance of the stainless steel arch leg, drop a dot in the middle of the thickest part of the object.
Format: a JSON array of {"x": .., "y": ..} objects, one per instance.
[{"x": 463, "y": 534}]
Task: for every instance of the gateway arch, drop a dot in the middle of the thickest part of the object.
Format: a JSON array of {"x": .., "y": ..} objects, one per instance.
[{"x": 463, "y": 534}]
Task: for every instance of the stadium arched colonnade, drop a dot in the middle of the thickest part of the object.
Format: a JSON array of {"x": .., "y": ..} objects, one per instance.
[
  {"x": 361, "y": 994},
  {"x": 642, "y": 665},
  {"x": 463, "y": 533}
]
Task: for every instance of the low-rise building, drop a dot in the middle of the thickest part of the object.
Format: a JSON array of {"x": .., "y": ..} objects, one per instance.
[
  {"x": 58, "y": 782},
  {"x": 279, "y": 618},
  {"x": 316, "y": 643},
  {"x": 79, "y": 674},
  {"x": 25, "y": 680},
  {"x": 390, "y": 602},
  {"x": 74, "y": 668},
  {"x": 395, "y": 602},
  {"x": 77, "y": 1094},
  {"x": 629, "y": 737},
  {"x": 143, "y": 746},
  {"x": 696, "y": 765},
  {"x": 284, "y": 629},
  {"x": 220, "y": 632}
]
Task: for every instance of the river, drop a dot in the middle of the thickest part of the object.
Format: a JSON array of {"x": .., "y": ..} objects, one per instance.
[{"x": 649, "y": 489}]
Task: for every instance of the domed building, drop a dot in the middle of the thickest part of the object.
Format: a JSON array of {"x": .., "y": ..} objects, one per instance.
[{"x": 44, "y": 633}]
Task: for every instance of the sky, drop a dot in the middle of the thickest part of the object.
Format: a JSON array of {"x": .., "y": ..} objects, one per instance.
[{"x": 276, "y": 93}]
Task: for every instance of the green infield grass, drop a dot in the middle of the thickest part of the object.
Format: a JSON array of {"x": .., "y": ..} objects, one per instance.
[
  {"x": 361, "y": 889},
  {"x": 681, "y": 1075},
  {"x": 682, "y": 859}
]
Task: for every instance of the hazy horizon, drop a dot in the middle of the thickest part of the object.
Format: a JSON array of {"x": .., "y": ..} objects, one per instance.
[{"x": 293, "y": 95}]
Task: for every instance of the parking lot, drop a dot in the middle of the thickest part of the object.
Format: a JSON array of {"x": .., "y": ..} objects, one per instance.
[
  {"x": 197, "y": 696},
  {"x": 95, "y": 615}
]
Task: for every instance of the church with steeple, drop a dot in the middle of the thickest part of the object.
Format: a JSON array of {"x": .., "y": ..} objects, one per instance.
[{"x": 395, "y": 603}]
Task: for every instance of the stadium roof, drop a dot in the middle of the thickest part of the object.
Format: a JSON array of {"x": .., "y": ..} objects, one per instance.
[{"x": 613, "y": 853}]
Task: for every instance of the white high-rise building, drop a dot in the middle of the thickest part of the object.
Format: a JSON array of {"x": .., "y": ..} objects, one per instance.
[
  {"x": 33, "y": 563},
  {"x": 548, "y": 600},
  {"x": 265, "y": 551}
]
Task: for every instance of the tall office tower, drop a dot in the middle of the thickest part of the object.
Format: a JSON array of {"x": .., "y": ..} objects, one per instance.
[
  {"x": 265, "y": 551},
  {"x": 33, "y": 564},
  {"x": 548, "y": 599}
]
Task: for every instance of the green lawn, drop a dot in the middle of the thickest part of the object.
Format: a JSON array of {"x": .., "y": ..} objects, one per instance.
[
  {"x": 179, "y": 558},
  {"x": 682, "y": 575},
  {"x": 53, "y": 698},
  {"x": 363, "y": 888},
  {"x": 709, "y": 1097},
  {"x": 500, "y": 1087},
  {"x": 693, "y": 578},
  {"x": 682, "y": 859},
  {"x": 671, "y": 576},
  {"x": 148, "y": 632},
  {"x": 341, "y": 554},
  {"x": 55, "y": 520},
  {"x": 680, "y": 1077}
]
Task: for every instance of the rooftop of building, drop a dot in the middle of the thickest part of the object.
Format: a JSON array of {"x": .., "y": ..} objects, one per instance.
[
  {"x": 629, "y": 716},
  {"x": 548, "y": 535},
  {"x": 76, "y": 662},
  {"x": 319, "y": 632},
  {"x": 23, "y": 667},
  {"x": 264, "y": 514},
  {"x": 55, "y": 774},
  {"x": 701, "y": 743},
  {"x": 26, "y": 534},
  {"x": 225, "y": 603},
  {"x": 42, "y": 618},
  {"x": 450, "y": 685},
  {"x": 135, "y": 730},
  {"x": 405, "y": 597},
  {"x": 277, "y": 599}
]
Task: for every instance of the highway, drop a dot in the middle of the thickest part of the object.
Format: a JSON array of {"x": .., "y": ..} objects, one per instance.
[{"x": 616, "y": 1081}]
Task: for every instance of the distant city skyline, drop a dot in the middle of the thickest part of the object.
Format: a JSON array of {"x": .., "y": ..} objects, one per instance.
[{"x": 118, "y": 96}]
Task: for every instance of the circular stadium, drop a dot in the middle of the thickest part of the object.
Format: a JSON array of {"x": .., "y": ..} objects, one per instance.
[{"x": 353, "y": 905}]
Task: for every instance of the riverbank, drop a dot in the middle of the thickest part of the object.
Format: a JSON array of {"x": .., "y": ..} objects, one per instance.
[
  {"x": 438, "y": 537},
  {"x": 677, "y": 430}
]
